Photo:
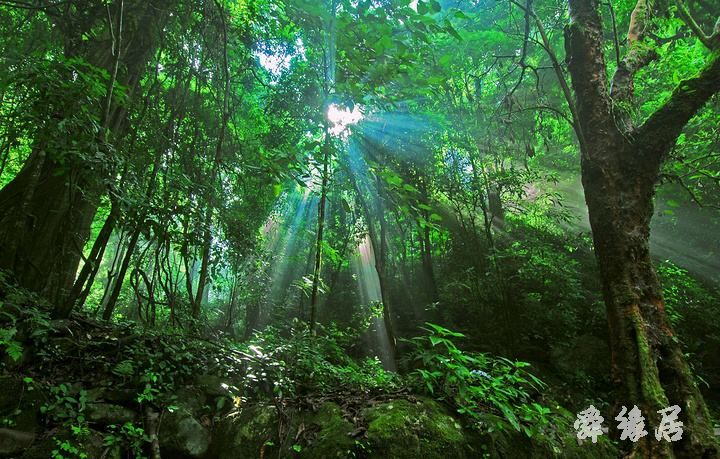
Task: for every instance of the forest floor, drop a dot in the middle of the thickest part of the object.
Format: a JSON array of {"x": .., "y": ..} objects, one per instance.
[{"x": 88, "y": 389}]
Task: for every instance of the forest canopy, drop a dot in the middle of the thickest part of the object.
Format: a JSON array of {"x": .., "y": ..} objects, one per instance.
[{"x": 240, "y": 228}]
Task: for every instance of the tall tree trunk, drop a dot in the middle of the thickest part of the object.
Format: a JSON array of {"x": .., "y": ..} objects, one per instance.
[
  {"x": 337, "y": 269},
  {"x": 45, "y": 222},
  {"x": 114, "y": 294},
  {"x": 207, "y": 233},
  {"x": 427, "y": 263},
  {"x": 647, "y": 360},
  {"x": 117, "y": 258},
  {"x": 620, "y": 170},
  {"x": 85, "y": 279},
  {"x": 330, "y": 51},
  {"x": 252, "y": 318},
  {"x": 46, "y": 217},
  {"x": 117, "y": 285},
  {"x": 381, "y": 257},
  {"x": 230, "y": 312},
  {"x": 320, "y": 233}
]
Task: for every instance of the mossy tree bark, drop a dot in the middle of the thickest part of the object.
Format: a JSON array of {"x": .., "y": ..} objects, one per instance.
[
  {"x": 47, "y": 209},
  {"x": 620, "y": 170}
]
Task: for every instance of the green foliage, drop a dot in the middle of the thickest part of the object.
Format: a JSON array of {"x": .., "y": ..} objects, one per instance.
[
  {"x": 149, "y": 392},
  {"x": 67, "y": 402},
  {"x": 67, "y": 449},
  {"x": 156, "y": 363},
  {"x": 12, "y": 347},
  {"x": 290, "y": 362},
  {"x": 71, "y": 89},
  {"x": 21, "y": 319},
  {"x": 475, "y": 383},
  {"x": 548, "y": 278},
  {"x": 130, "y": 437},
  {"x": 684, "y": 295},
  {"x": 689, "y": 303},
  {"x": 66, "y": 406},
  {"x": 217, "y": 111}
]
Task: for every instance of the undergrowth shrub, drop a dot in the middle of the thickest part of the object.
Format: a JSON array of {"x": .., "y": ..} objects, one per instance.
[
  {"x": 689, "y": 304},
  {"x": 24, "y": 319},
  {"x": 476, "y": 383},
  {"x": 291, "y": 362}
]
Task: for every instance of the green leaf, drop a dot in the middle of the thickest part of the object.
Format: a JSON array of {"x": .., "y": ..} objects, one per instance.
[
  {"x": 510, "y": 416},
  {"x": 459, "y": 14},
  {"x": 14, "y": 350},
  {"x": 452, "y": 31}
]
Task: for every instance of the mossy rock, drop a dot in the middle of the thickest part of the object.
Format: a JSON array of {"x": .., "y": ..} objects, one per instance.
[
  {"x": 501, "y": 440},
  {"x": 332, "y": 434},
  {"x": 251, "y": 433},
  {"x": 182, "y": 436},
  {"x": 405, "y": 429},
  {"x": 396, "y": 429},
  {"x": 191, "y": 398},
  {"x": 14, "y": 442}
]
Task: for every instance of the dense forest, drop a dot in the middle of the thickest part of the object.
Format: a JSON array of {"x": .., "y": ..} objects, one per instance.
[{"x": 359, "y": 229}]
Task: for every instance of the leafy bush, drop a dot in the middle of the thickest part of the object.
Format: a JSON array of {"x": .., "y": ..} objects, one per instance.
[
  {"x": 66, "y": 406},
  {"x": 13, "y": 348},
  {"x": 684, "y": 296},
  {"x": 21, "y": 317},
  {"x": 129, "y": 436},
  {"x": 289, "y": 362},
  {"x": 476, "y": 383},
  {"x": 66, "y": 403},
  {"x": 689, "y": 305}
]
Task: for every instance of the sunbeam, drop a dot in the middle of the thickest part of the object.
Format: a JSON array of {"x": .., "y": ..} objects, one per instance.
[
  {"x": 363, "y": 266},
  {"x": 286, "y": 239}
]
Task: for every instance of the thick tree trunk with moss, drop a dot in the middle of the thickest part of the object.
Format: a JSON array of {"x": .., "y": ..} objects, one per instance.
[
  {"x": 47, "y": 210},
  {"x": 647, "y": 361},
  {"x": 620, "y": 170},
  {"x": 45, "y": 221}
]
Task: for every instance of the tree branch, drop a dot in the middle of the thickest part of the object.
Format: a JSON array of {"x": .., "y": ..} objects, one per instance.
[
  {"x": 693, "y": 195},
  {"x": 558, "y": 73},
  {"x": 523, "y": 56},
  {"x": 710, "y": 41},
  {"x": 662, "y": 128},
  {"x": 639, "y": 54},
  {"x": 586, "y": 63}
]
